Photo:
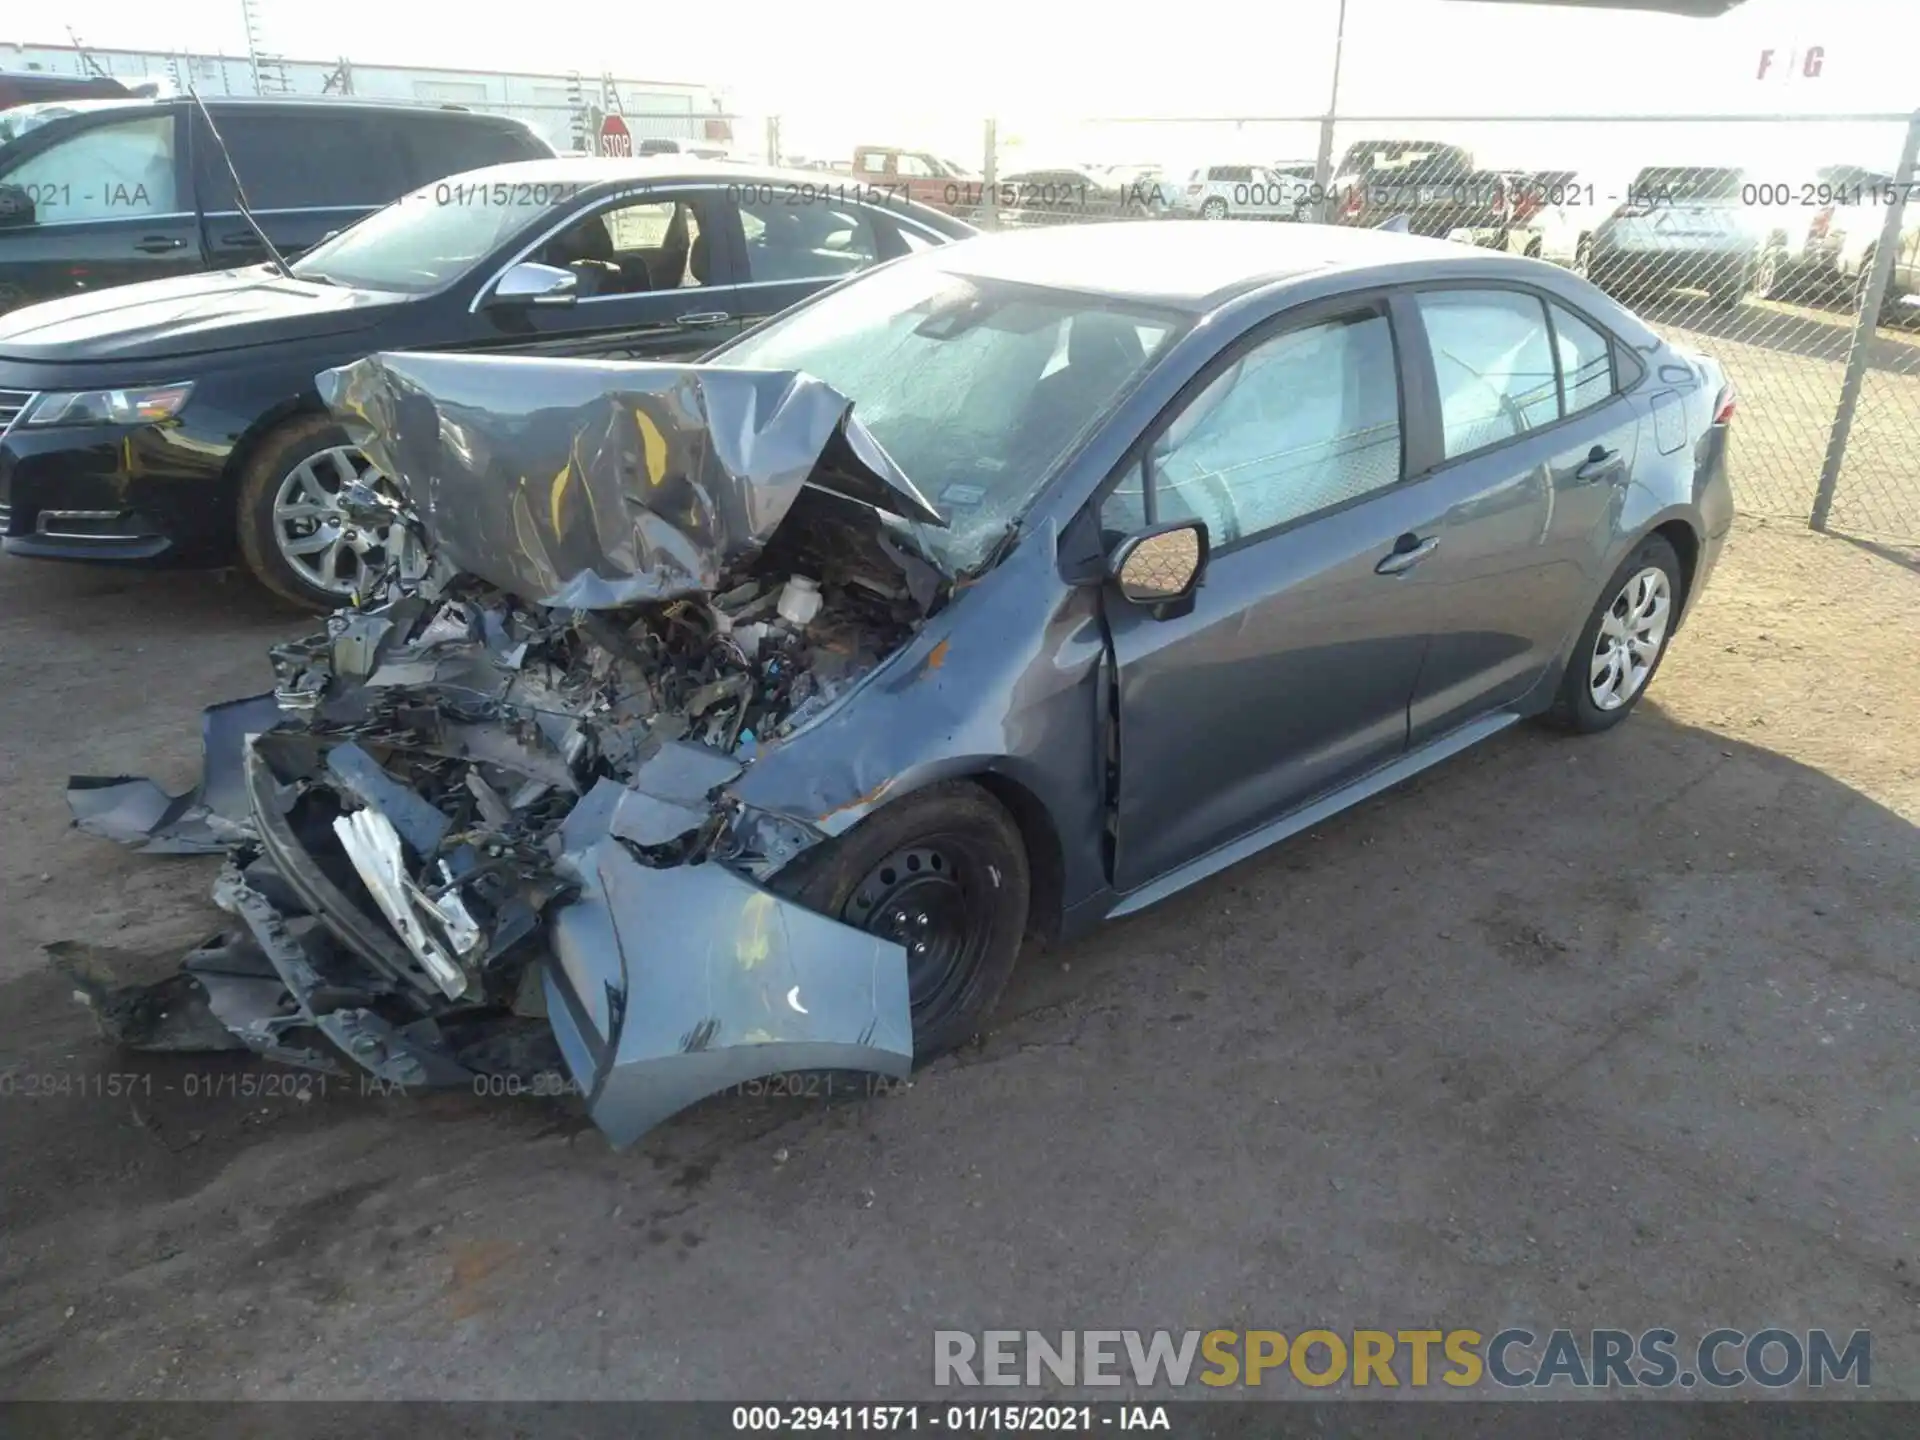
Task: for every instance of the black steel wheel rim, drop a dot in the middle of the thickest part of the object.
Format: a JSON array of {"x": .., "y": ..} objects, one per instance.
[{"x": 931, "y": 898}]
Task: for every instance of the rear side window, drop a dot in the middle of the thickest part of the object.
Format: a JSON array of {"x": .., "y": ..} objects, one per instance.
[
  {"x": 106, "y": 172},
  {"x": 439, "y": 146},
  {"x": 807, "y": 242},
  {"x": 305, "y": 160},
  {"x": 1493, "y": 362},
  {"x": 1303, "y": 422},
  {"x": 1586, "y": 361}
]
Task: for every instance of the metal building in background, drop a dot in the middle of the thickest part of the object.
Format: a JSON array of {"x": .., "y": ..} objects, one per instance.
[{"x": 654, "y": 109}]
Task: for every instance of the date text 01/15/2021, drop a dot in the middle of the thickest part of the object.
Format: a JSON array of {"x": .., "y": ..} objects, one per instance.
[{"x": 955, "y": 1419}]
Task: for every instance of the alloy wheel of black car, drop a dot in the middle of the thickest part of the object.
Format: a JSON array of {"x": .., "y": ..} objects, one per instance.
[
  {"x": 294, "y": 535},
  {"x": 942, "y": 872}
]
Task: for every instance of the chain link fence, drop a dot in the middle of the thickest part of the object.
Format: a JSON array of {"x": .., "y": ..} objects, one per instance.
[{"x": 1786, "y": 247}]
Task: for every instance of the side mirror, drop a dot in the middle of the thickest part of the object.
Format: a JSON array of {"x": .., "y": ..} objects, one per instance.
[
  {"x": 530, "y": 283},
  {"x": 1161, "y": 564},
  {"x": 16, "y": 206}
]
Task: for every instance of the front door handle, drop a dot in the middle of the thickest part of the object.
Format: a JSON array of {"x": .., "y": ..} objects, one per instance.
[
  {"x": 159, "y": 244},
  {"x": 704, "y": 319},
  {"x": 1408, "y": 551},
  {"x": 1600, "y": 464}
]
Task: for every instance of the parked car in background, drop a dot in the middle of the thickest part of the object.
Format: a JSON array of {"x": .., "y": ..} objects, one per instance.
[
  {"x": 1678, "y": 227},
  {"x": 1519, "y": 198},
  {"x": 1243, "y": 192},
  {"x": 1151, "y": 185},
  {"x": 1819, "y": 231},
  {"x": 1040, "y": 197},
  {"x": 178, "y": 419},
  {"x": 97, "y": 193},
  {"x": 1435, "y": 187},
  {"x": 669, "y": 146},
  {"x": 922, "y": 176}
]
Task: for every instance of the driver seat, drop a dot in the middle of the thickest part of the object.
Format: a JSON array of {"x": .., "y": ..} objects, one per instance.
[{"x": 1103, "y": 351}]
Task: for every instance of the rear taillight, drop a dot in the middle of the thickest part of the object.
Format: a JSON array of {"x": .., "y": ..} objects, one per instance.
[
  {"x": 1821, "y": 221},
  {"x": 1723, "y": 405},
  {"x": 1353, "y": 202}
]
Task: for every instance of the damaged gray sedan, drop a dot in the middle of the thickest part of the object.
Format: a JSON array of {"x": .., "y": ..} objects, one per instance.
[{"x": 746, "y": 717}]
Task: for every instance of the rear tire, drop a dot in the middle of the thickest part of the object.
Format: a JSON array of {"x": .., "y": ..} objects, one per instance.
[
  {"x": 944, "y": 869},
  {"x": 1214, "y": 209},
  {"x": 1582, "y": 705}
]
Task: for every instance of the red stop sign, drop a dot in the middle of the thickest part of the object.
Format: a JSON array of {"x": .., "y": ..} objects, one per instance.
[{"x": 615, "y": 138}]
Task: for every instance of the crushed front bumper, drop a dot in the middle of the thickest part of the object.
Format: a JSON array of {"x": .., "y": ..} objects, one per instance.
[{"x": 661, "y": 987}]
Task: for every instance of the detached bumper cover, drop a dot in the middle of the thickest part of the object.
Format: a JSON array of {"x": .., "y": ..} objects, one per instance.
[
  {"x": 206, "y": 820},
  {"x": 668, "y": 986}
]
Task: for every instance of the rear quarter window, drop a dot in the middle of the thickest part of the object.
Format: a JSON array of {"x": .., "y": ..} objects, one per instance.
[{"x": 441, "y": 145}]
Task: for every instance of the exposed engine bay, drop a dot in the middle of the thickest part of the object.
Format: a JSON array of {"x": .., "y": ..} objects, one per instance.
[{"x": 440, "y": 826}]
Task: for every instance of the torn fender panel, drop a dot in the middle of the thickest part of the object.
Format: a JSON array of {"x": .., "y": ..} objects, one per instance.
[
  {"x": 207, "y": 819},
  {"x": 668, "y": 986},
  {"x": 584, "y": 484}
]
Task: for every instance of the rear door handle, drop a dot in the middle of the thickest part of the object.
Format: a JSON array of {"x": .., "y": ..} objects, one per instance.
[
  {"x": 1408, "y": 551},
  {"x": 1600, "y": 464},
  {"x": 241, "y": 237},
  {"x": 159, "y": 244},
  {"x": 704, "y": 319}
]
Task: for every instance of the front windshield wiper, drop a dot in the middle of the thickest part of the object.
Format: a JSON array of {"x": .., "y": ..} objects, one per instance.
[{"x": 274, "y": 257}]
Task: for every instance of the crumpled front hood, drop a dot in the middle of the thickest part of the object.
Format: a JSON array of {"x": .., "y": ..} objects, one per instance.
[{"x": 585, "y": 484}]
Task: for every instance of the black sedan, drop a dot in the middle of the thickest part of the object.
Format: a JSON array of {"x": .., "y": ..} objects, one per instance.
[{"x": 177, "y": 420}]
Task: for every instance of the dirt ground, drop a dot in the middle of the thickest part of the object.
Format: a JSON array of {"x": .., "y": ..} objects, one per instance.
[{"x": 1617, "y": 1032}]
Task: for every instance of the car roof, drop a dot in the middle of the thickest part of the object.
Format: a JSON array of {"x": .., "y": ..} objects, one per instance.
[{"x": 1185, "y": 264}]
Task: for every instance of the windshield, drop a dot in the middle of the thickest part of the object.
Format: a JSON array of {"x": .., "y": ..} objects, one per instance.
[
  {"x": 432, "y": 237},
  {"x": 976, "y": 388}
]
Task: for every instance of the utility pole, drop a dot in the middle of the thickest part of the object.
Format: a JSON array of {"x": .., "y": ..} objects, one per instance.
[
  {"x": 269, "y": 71},
  {"x": 1323, "y": 161}
]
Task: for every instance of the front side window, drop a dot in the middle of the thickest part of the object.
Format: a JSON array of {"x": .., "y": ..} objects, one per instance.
[
  {"x": 915, "y": 166},
  {"x": 807, "y": 242},
  {"x": 977, "y": 388},
  {"x": 1493, "y": 364},
  {"x": 107, "y": 172},
  {"x": 1303, "y": 422},
  {"x": 633, "y": 248}
]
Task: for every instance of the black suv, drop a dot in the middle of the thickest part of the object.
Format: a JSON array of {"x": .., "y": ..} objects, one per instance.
[{"x": 105, "y": 192}]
